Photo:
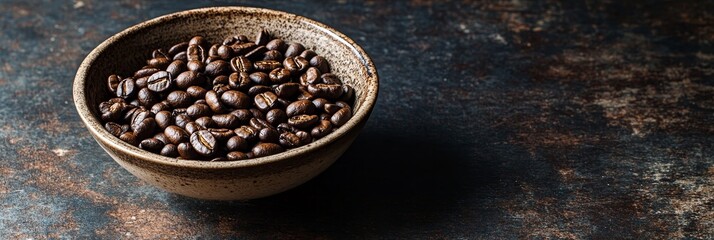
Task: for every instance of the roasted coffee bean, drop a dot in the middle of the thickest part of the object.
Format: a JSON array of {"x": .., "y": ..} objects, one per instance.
[
  {"x": 160, "y": 63},
  {"x": 235, "y": 155},
  {"x": 258, "y": 123},
  {"x": 213, "y": 50},
  {"x": 114, "y": 112},
  {"x": 175, "y": 134},
  {"x": 161, "y": 137},
  {"x": 311, "y": 76},
  {"x": 341, "y": 117},
  {"x": 241, "y": 64},
  {"x": 243, "y": 48},
  {"x": 330, "y": 78},
  {"x": 329, "y": 91},
  {"x": 205, "y": 122},
  {"x": 273, "y": 55},
  {"x": 126, "y": 88},
  {"x": 304, "y": 94},
  {"x": 198, "y": 40},
  {"x": 294, "y": 49},
  {"x": 113, "y": 128},
  {"x": 320, "y": 63},
  {"x": 195, "y": 65},
  {"x": 256, "y": 54},
  {"x": 181, "y": 56},
  {"x": 320, "y": 103},
  {"x": 193, "y": 127},
  {"x": 195, "y": 52},
  {"x": 125, "y": 128},
  {"x": 179, "y": 99},
  {"x": 175, "y": 68},
  {"x": 220, "y": 80},
  {"x": 308, "y": 54},
  {"x": 203, "y": 142},
  {"x": 224, "y": 52},
  {"x": 265, "y": 149},
  {"x": 164, "y": 119},
  {"x": 343, "y": 105},
  {"x": 300, "y": 107},
  {"x": 169, "y": 150},
  {"x": 266, "y": 65},
  {"x": 248, "y": 133},
  {"x": 279, "y": 75},
  {"x": 214, "y": 102},
  {"x": 144, "y": 128},
  {"x": 129, "y": 137},
  {"x": 237, "y": 143},
  {"x": 305, "y": 137},
  {"x": 258, "y": 89},
  {"x": 113, "y": 82},
  {"x": 243, "y": 115},
  {"x": 347, "y": 93},
  {"x": 257, "y": 113},
  {"x": 145, "y": 72},
  {"x": 147, "y": 98},
  {"x": 283, "y": 102},
  {"x": 160, "y": 106},
  {"x": 276, "y": 116},
  {"x": 322, "y": 129},
  {"x": 198, "y": 110},
  {"x": 260, "y": 78},
  {"x": 289, "y": 140},
  {"x": 159, "y": 81},
  {"x": 235, "y": 99},
  {"x": 196, "y": 92},
  {"x": 331, "y": 108},
  {"x": 217, "y": 67},
  {"x": 285, "y": 127},
  {"x": 179, "y": 47},
  {"x": 277, "y": 44},
  {"x": 269, "y": 135},
  {"x": 186, "y": 151},
  {"x": 182, "y": 120},
  {"x": 221, "y": 134},
  {"x": 303, "y": 121},
  {"x": 287, "y": 90},
  {"x": 139, "y": 117},
  {"x": 141, "y": 82},
  {"x": 221, "y": 88},
  {"x": 151, "y": 145},
  {"x": 225, "y": 120},
  {"x": 262, "y": 38},
  {"x": 159, "y": 53},
  {"x": 239, "y": 81},
  {"x": 266, "y": 101},
  {"x": 296, "y": 64},
  {"x": 189, "y": 78}
]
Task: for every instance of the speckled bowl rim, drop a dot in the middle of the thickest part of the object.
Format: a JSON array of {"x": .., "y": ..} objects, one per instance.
[{"x": 97, "y": 129}]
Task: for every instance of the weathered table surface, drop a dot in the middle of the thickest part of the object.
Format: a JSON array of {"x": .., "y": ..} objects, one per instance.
[{"x": 499, "y": 119}]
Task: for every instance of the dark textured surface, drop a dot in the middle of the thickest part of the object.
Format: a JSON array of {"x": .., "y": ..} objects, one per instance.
[{"x": 498, "y": 119}]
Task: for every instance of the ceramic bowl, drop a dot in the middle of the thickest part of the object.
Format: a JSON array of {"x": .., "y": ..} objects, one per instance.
[{"x": 230, "y": 180}]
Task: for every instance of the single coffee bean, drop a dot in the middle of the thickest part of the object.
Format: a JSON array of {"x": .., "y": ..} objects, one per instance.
[
  {"x": 193, "y": 127},
  {"x": 198, "y": 110},
  {"x": 113, "y": 82},
  {"x": 164, "y": 119},
  {"x": 258, "y": 89},
  {"x": 181, "y": 56},
  {"x": 160, "y": 106},
  {"x": 331, "y": 108},
  {"x": 175, "y": 68},
  {"x": 340, "y": 117},
  {"x": 196, "y": 92},
  {"x": 322, "y": 129},
  {"x": 159, "y": 81},
  {"x": 145, "y": 72},
  {"x": 266, "y": 65},
  {"x": 266, "y": 101},
  {"x": 181, "y": 120},
  {"x": 294, "y": 49},
  {"x": 214, "y": 102},
  {"x": 186, "y": 151},
  {"x": 320, "y": 63},
  {"x": 260, "y": 78},
  {"x": 126, "y": 88},
  {"x": 113, "y": 128},
  {"x": 147, "y": 97},
  {"x": 276, "y": 116},
  {"x": 203, "y": 142},
  {"x": 328, "y": 91},
  {"x": 179, "y": 47},
  {"x": 241, "y": 64},
  {"x": 258, "y": 123},
  {"x": 296, "y": 65},
  {"x": 151, "y": 145},
  {"x": 161, "y": 137},
  {"x": 175, "y": 134},
  {"x": 205, "y": 122},
  {"x": 129, "y": 137},
  {"x": 138, "y": 117},
  {"x": 273, "y": 55},
  {"x": 224, "y": 52},
  {"x": 304, "y": 94},
  {"x": 239, "y": 81},
  {"x": 308, "y": 54},
  {"x": 248, "y": 133},
  {"x": 179, "y": 99},
  {"x": 195, "y": 52},
  {"x": 159, "y": 53},
  {"x": 257, "y": 113},
  {"x": 330, "y": 78},
  {"x": 311, "y": 76},
  {"x": 243, "y": 48},
  {"x": 303, "y": 121},
  {"x": 145, "y": 128},
  {"x": 213, "y": 50},
  {"x": 279, "y": 75},
  {"x": 169, "y": 150},
  {"x": 265, "y": 149},
  {"x": 235, "y": 99},
  {"x": 141, "y": 82},
  {"x": 198, "y": 40},
  {"x": 287, "y": 90},
  {"x": 189, "y": 78},
  {"x": 220, "y": 80},
  {"x": 160, "y": 62},
  {"x": 320, "y": 103},
  {"x": 305, "y": 137},
  {"x": 237, "y": 143},
  {"x": 243, "y": 115},
  {"x": 114, "y": 112},
  {"x": 256, "y": 54},
  {"x": 277, "y": 44},
  {"x": 221, "y": 88},
  {"x": 262, "y": 38},
  {"x": 225, "y": 120},
  {"x": 221, "y": 134},
  {"x": 195, "y": 65},
  {"x": 270, "y": 135},
  {"x": 300, "y": 107},
  {"x": 343, "y": 104},
  {"x": 217, "y": 67},
  {"x": 235, "y": 155},
  {"x": 289, "y": 140}
]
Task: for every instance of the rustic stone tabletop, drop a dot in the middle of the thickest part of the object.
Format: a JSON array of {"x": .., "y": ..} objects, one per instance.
[{"x": 495, "y": 119}]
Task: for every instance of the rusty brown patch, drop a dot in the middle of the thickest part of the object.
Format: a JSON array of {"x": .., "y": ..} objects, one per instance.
[{"x": 51, "y": 123}]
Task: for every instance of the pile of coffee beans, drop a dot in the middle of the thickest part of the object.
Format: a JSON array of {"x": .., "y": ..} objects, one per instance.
[{"x": 235, "y": 100}]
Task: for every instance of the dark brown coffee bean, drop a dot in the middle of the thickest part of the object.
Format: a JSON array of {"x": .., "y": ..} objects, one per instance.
[
  {"x": 235, "y": 99},
  {"x": 289, "y": 140},
  {"x": 277, "y": 44},
  {"x": 331, "y": 108},
  {"x": 258, "y": 89},
  {"x": 241, "y": 64},
  {"x": 151, "y": 145},
  {"x": 237, "y": 143},
  {"x": 169, "y": 150},
  {"x": 279, "y": 75},
  {"x": 243, "y": 115},
  {"x": 294, "y": 49},
  {"x": 179, "y": 47},
  {"x": 217, "y": 67},
  {"x": 164, "y": 119},
  {"x": 300, "y": 107},
  {"x": 287, "y": 90},
  {"x": 139, "y": 117},
  {"x": 126, "y": 88},
  {"x": 262, "y": 38},
  {"x": 258, "y": 123},
  {"x": 257, "y": 113},
  {"x": 161, "y": 137},
  {"x": 160, "y": 63},
  {"x": 182, "y": 120},
  {"x": 179, "y": 99},
  {"x": 113, "y": 83},
  {"x": 160, "y": 106},
  {"x": 341, "y": 117},
  {"x": 213, "y": 51},
  {"x": 203, "y": 142},
  {"x": 159, "y": 53},
  {"x": 225, "y": 120},
  {"x": 220, "y": 80},
  {"x": 196, "y": 92},
  {"x": 147, "y": 98},
  {"x": 320, "y": 63},
  {"x": 195, "y": 52},
  {"x": 186, "y": 151},
  {"x": 198, "y": 110},
  {"x": 296, "y": 65},
  {"x": 269, "y": 135},
  {"x": 320, "y": 103},
  {"x": 322, "y": 129},
  {"x": 248, "y": 133},
  {"x": 192, "y": 127},
  {"x": 141, "y": 82},
  {"x": 285, "y": 127},
  {"x": 330, "y": 78},
  {"x": 220, "y": 89},
  {"x": 159, "y": 81},
  {"x": 175, "y": 134},
  {"x": 198, "y": 40},
  {"x": 303, "y": 94},
  {"x": 196, "y": 66},
  {"x": 145, "y": 72},
  {"x": 214, "y": 102},
  {"x": 266, "y": 101},
  {"x": 181, "y": 56},
  {"x": 305, "y": 137},
  {"x": 224, "y": 52},
  {"x": 328, "y": 91},
  {"x": 205, "y": 122},
  {"x": 343, "y": 104},
  {"x": 175, "y": 68},
  {"x": 276, "y": 116},
  {"x": 221, "y": 134},
  {"x": 265, "y": 149},
  {"x": 130, "y": 113},
  {"x": 113, "y": 128},
  {"x": 256, "y": 54},
  {"x": 239, "y": 81},
  {"x": 260, "y": 78},
  {"x": 266, "y": 65},
  {"x": 144, "y": 128},
  {"x": 311, "y": 76},
  {"x": 243, "y": 48},
  {"x": 308, "y": 54},
  {"x": 235, "y": 155},
  {"x": 129, "y": 137},
  {"x": 114, "y": 112},
  {"x": 189, "y": 78},
  {"x": 273, "y": 55},
  {"x": 303, "y": 121}
]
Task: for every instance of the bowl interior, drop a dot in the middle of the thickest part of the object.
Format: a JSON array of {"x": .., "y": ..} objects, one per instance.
[{"x": 127, "y": 51}]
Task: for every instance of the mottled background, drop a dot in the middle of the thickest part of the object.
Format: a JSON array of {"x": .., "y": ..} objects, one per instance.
[{"x": 495, "y": 119}]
